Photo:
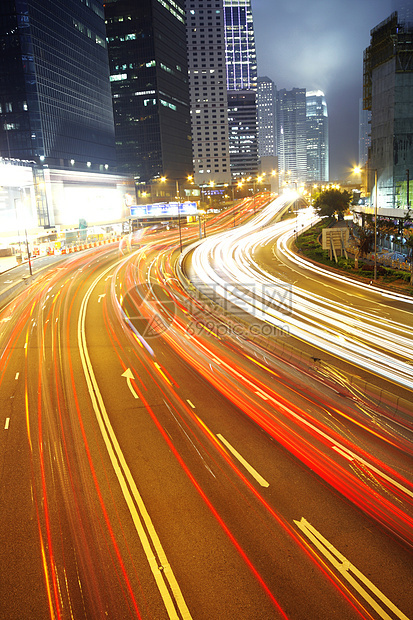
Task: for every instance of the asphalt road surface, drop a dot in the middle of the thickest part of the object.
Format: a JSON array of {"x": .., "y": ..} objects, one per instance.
[{"x": 153, "y": 468}]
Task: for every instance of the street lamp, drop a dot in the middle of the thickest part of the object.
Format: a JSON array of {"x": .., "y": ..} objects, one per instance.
[
  {"x": 375, "y": 224},
  {"x": 22, "y": 189},
  {"x": 179, "y": 225}
]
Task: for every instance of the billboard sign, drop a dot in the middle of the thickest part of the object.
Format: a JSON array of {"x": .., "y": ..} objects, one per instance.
[{"x": 164, "y": 209}]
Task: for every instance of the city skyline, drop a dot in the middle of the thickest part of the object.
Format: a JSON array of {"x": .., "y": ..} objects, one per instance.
[{"x": 328, "y": 39}]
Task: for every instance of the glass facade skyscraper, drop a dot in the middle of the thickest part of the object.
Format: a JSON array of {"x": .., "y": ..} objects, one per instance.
[
  {"x": 240, "y": 45},
  {"x": 317, "y": 137},
  {"x": 364, "y": 134},
  {"x": 55, "y": 100},
  {"x": 242, "y": 122},
  {"x": 292, "y": 134},
  {"x": 149, "y": 80},
  {"x": 242, "y": 76}
]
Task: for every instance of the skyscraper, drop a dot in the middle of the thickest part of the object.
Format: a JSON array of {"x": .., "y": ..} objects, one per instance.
[
  {"x": 364, "y": 134},
  {"x": 243, "y": 143},
  {"x": 387, "y": 93},
  {"x": 208, "y": 92},
  {"x": 55, "y": 100},
  {"x": 149, "y": 79},
  {"x": 292, "y": 134},
  {"x": 267, "y": 117},
  {"x": 241, "y": 64},
  {"x": 317, "y": 137},
  {"x": 240, "y": 45}
]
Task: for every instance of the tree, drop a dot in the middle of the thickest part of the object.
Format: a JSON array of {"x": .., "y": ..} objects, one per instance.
[
  {"x": 363, "y": 243},
  {"x": 332, "y": 202}
]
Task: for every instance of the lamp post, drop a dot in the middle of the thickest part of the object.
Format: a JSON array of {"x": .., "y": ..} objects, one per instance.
[
  {"x": 375, "y": 224},
  {"x": 25, "y": 232},
  {"x": 28, "y": 253},
  {"x": 18, "y": 225},
  {"x": 179, "y": 213},
  {"x": 179, "y": 225}
]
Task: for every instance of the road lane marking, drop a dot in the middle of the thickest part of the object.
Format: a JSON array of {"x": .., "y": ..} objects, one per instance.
[
  {"x": 161, "y": 569},
  {"x": 344, "y": 567},
  {"x": 190, "y": 404},
  {"x": 17, "y": 375},
  {"x": 6, "y": 426},
  {"x": 243, "y": 462},
  {"x": 129, "y": 375},
  {"x": 261, "y": 394},
  {"x": 355, "y": 456},
  {"x": 162, "y": 372}
]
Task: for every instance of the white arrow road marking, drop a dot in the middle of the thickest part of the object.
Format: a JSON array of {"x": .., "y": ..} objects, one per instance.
[
  {"x": 165, "y": 579},
  {"x": 344, "y": 567},
  {"x": 129, "y": 375},
  {"x": 100, "y": 297},
  {"x": 247, "y": 466}
]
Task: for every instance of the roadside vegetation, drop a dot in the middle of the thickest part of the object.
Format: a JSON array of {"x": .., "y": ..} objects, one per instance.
[{"x": 309, "y": 245}]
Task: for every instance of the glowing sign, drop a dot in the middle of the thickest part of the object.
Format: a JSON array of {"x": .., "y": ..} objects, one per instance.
[{"x": 171, "y": 209}]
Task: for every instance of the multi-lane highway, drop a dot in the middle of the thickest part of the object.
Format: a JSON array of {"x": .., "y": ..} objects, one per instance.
[{"x": 168, "y": 452}]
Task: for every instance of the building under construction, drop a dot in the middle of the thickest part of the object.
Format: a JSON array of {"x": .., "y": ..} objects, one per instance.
[{"x": 388, "y": 94}]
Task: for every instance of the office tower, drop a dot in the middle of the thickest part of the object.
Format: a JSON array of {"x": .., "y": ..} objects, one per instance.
[
  {"x": 267, "y": 125},
  {"x": 241, "y": 64},
  {"x": 387, "y": 93},
  {"x": 317, "y": 137},
  {"x": 292, "y": 135},
  {"x": 208, "y": 92},
  {"x": 149, "y": 80},
  {"x": 55, "y": 100},
  {"x": 243, "y": 143},
  {"x": 240, "y": 45},
  {"x": 364, "y": 134}
]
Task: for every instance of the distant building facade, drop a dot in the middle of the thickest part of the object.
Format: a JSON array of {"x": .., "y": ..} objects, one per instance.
[
  {"x": 55, "y": 99},
  {"x": 267, "y": 117},
  {"x": 364, "y": 134},
  {"x": 317, "y": 137},
  {"x": 208, "y": 92},
  {"x": 241, "y": 65},
  {"x": 242, "y": 123},
  {"x": 150, "y": 91},
  {"x": 388, "y": 94},
  {"x": 292, "y": 135}
]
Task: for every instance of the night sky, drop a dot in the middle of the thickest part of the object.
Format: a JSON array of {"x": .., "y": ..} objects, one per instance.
[{"x": 319, "y": 44}]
